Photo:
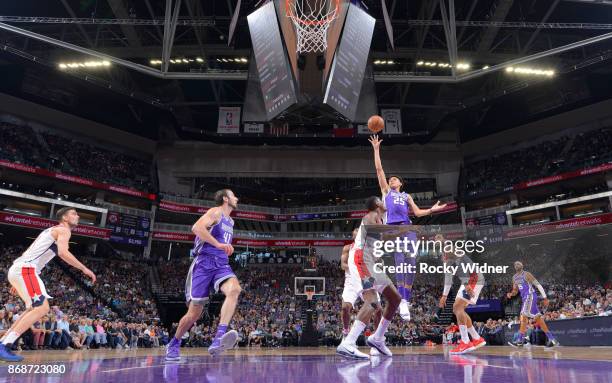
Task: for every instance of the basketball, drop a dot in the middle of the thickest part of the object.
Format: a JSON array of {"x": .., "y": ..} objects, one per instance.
[{"x": 376, "y": 123}]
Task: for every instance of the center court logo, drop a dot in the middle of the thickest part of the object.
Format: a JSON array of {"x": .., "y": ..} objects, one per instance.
[{"x": 413, "y": 247}]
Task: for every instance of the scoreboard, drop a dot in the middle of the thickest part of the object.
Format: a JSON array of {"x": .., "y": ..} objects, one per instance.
[{"x": 128, "y": 229}]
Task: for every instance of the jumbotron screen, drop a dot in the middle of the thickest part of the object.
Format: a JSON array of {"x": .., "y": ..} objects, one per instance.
[
  {"x": 344, "y": 84},
  {"x": 277, "y": 83}
]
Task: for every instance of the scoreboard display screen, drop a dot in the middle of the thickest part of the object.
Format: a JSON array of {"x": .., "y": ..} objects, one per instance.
[
  {"x": 128, "y": 229},
  {"x": 350, "y": 61},
  {"x": 275, "y": 75}
]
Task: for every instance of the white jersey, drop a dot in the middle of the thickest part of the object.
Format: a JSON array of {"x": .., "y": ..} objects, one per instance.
[
  {"x": 359, "y": 240},
  {"x": 40, "y": 252}
]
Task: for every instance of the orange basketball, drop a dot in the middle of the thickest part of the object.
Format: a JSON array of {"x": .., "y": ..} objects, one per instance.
[{"x": 376, "y": 123}]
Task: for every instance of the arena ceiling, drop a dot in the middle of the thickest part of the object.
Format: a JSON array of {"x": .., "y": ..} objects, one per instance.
[{"x": 483, "y": 33}]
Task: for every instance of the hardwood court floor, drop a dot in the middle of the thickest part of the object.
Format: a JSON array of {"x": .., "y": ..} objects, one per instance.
[{"x": 420, "y": 364}]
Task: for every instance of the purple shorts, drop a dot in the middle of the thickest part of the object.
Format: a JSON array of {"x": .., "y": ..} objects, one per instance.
[
  {"x": 530, "y": 306},
  {"x": 202, "y": 277}
]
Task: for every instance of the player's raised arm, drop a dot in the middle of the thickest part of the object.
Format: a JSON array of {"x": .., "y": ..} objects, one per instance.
[
  {"x": 344, "y": 257},
  {"x": 423, "y": 212},
  {"x": 63, "y": 236},
  {"x": 380, "y": 173},
  {"x": 202, "y": 226}
]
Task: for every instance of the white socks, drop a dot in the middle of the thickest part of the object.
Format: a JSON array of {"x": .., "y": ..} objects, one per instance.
[
  {"x": 473, "y": 333},
  {"x": 382, "y": 328},
  {"x": 464, "y": 333},
  {"x": 356, "y": 330},
  {"x": 10, "y": 338}
]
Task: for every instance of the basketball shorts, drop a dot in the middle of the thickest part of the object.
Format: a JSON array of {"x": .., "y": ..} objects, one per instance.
[
  {"x": 477, "y": 288},
  {"x": 26, "y": 281},
  {"x": 364, "y": 264},
  {"x": 530, "y": 306},
  {"x": 201, "y": 279},
  {"x": 352, "y": 289}
]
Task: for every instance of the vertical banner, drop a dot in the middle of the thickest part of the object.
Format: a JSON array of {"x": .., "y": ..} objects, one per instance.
[
  {"x": 393, "y": 121},
  {"x": 229, "y": 120}
]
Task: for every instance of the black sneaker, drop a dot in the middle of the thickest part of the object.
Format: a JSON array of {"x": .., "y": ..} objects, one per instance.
[
  {"x": 551, "y": 343},
  {"x": 517, "y": 344}
]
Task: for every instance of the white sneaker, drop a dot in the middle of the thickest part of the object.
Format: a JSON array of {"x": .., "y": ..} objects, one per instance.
[
  {"x": 350, "y": 351},
  {"x": 374, "y": 352},
  {"x": 378, "y": 344},
  {"x": 404, "y": 310}
]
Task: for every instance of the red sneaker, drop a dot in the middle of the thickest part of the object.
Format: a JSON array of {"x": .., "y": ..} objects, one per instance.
[
  {"x": 462, "y": 348},
  {"x": 478, "y": 343}
]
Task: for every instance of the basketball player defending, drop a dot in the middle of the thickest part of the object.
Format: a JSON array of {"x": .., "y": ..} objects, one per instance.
[
  {"x": 210, "y": 269},
  {"x": 352, "y": 291},
  {"x": 524, "y": 282},
  {"x": 25, "y": 280},
  {"x": 398, "y": 205},
  {"x": 362, "y": 264},
  {"x": 471, "y": 286}
]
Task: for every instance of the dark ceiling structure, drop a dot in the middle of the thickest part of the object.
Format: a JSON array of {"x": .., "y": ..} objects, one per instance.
[{"x": 174, "y": 57}]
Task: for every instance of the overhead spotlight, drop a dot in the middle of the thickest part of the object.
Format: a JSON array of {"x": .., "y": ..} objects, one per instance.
[
  {"x": 199, "y": 59},
  {"x": 244, "y": 60},
  {"x": 185, "y": 61},
  {"x": 219, "y": 60},
  {"x": 224, "y": 60},
  {"x": 63, "y": 66},
  {"x": 420, "y": 63},
  {"x": 463, "y": 66},
  {"x": 376, "y": 62},
  {"x": 485, "y": 67},
  {"x": 390, "y": 62}
]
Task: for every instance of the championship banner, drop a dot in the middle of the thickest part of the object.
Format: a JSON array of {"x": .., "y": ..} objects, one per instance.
[
  {"x": 78, "y": 180},
  {"x": 42, "y": 223},
  {"x": 229, "y": 120},
  {"x": 393, "y": 121},
  {"x": 253, "y": 128}
]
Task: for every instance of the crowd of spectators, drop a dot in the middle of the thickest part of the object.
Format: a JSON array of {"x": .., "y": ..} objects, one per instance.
[
  {"x": 20, "y": 143},
  {"x": 78, "y": 319},
  {"x": 541, "y": 160}
]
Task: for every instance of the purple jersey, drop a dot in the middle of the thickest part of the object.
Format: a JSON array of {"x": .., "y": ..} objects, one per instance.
[
  {"x": 397, "y": 208},
  {"x": 223, "y": 232},
  {"x": 525, "y": 288}
]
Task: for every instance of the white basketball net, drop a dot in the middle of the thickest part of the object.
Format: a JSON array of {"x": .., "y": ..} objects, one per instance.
[{"x": 311, "y": 19}]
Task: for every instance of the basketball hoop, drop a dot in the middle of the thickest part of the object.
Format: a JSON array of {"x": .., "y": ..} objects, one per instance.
[{"x": 311, "y": 19}]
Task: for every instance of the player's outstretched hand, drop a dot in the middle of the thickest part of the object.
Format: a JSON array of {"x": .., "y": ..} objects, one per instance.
[
  {"x": 90, "y": 275},
  {"x": 375, "y": 141},
  {"x": 442, "y": 302},
  {"x": 438, "y": 206},
  {"x": 13, "y": 290},
  {"x": 545, "y": 302},
  {"x": 227, "y": 248},
  {"x": 509, "y": 296}
]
